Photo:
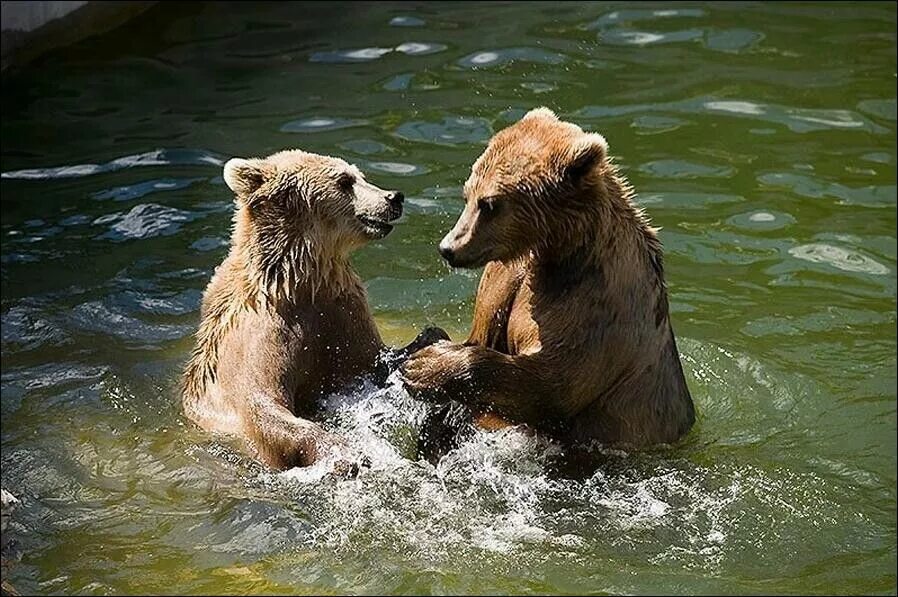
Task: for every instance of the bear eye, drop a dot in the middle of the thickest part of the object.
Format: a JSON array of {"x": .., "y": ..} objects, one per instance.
[
  {"x": 346, "y": 181},
  {"x": 487, "y": 206}
]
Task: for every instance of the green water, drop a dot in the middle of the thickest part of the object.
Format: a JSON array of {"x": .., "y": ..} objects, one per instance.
[{"x": 761, "y": 137}]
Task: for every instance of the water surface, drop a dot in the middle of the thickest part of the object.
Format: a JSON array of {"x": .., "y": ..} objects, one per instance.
[{"x": 761, "y": 137}]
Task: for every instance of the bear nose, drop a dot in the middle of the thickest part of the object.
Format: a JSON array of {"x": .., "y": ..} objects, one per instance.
[
  {"x": 395, "y": 197},
  {"x": 447, "y": 253}
]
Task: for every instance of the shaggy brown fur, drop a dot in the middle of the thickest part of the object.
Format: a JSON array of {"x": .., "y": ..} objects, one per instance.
[
  {"x": 571, "y": 333},
  {"x": 285, "y": 319}
]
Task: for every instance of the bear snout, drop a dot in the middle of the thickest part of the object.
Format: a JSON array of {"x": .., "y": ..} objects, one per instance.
[
  {"x": 395, "y": 199},
  {"x": 447, "y": 253}
]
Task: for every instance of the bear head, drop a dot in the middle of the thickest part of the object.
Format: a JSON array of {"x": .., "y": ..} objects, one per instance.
[
  {"x": 294, "y": 195},
  {"x": 525, "y": 189}
]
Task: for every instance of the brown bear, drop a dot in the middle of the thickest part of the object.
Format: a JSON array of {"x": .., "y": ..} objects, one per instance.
[
  {"x": 571, "y": 333},
  {"x": 285, "y": 318}
]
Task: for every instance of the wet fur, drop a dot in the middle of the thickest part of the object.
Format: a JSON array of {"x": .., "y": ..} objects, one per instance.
[
  {"x": 571, "y": 332},
  {"x": 285, "y": 319}
]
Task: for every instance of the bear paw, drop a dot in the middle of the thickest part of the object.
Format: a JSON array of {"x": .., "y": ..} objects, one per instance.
[{"x": 437, "y": 373}]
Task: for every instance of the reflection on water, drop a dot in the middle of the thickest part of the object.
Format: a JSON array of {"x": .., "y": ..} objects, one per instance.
[
  {"x": 451, "y": 131},
  {"x": 760, "y": 138},
  {"x": 159, "y": 157}
]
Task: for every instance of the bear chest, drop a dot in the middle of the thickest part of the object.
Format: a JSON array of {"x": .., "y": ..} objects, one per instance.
[{"x": 523, "y": 332}]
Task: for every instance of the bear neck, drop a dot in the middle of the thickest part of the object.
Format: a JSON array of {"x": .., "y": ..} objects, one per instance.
[
  {"x": 603, "y": 231},
  {"x": 285, "y": 268}
]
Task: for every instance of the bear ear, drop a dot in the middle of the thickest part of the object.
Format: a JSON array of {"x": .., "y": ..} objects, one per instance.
[
  {"x": 542, "y": 112},
  {"x": 245, "y": 176},
  {"x": 587, "y": 151}
]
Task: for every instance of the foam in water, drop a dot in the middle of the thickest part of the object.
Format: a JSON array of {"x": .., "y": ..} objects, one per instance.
[
  {"x": 499, "y": 495},
  {"x": 838, "y": 257},
  {"x": 438, "y": 507}
]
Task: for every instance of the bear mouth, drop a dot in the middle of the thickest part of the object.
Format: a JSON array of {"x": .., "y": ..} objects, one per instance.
[
  {"x": 467, "y": 263},
  {"x": 374, "y": 227}
]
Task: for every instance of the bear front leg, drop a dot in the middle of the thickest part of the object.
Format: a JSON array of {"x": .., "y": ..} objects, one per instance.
[
  {"x": 429, "y": 335},
  {"x": 519, "y": 388},
  {"x": 391, "y": 358},
  {"x": 284, "y": 441}
]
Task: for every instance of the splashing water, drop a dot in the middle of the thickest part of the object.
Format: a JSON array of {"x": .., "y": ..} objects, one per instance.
[{"x": 498, "y": 496}]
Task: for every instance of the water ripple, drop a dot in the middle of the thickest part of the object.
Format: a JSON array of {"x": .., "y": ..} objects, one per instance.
[
  {"x": 723, "y": 40},
  {"x": 694, "y": 200},
  {"x": 683, "y": 169},
  {"x": 881, "y": 108},
  {"x": 841, "y": 258},
  {"x": 806, "y": 186},
  {"x": 452, "y": 130},
  {"x": 373, "y": 53},
  {"x": 159, "y": 157},
  {"x": 364, "y": 146},
  {"x": 501, "y": 56},
  {"x": 319, "y": 124},
  {"x": 406, "y": 21},
  {"x": 359, "y": 55},
  {"x": 623, "y": 16},
  {"x": 26, "y": 327},
  {"x": 761, "y": 139},
  {"x": 157, "y": 303},
  {"x": 399, "y": 82},
  {"x": 539, "y": 87},
  {"x": 208, "y": 243},
  {"x": 141, "y": 189},
  {"x": 109, "y": 320},
  {"x": 143, "y": 221},
  {"x": 649, "y": 124},
  {"x": 52, "y": 375},
  {"x": 799, "y": 120},
  {"x": 398, "y": 168},
  {"x": 762, "y": 220},
  {"x": 419, "y": 49}
]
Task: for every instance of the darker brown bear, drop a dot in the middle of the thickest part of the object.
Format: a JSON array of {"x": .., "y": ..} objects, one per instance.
[{"x": 571, "y": 331}]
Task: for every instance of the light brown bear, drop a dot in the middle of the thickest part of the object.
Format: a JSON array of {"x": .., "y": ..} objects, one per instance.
[
  {"x": 571, "y": 331},
  {"x": 285, "y": 318}
]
